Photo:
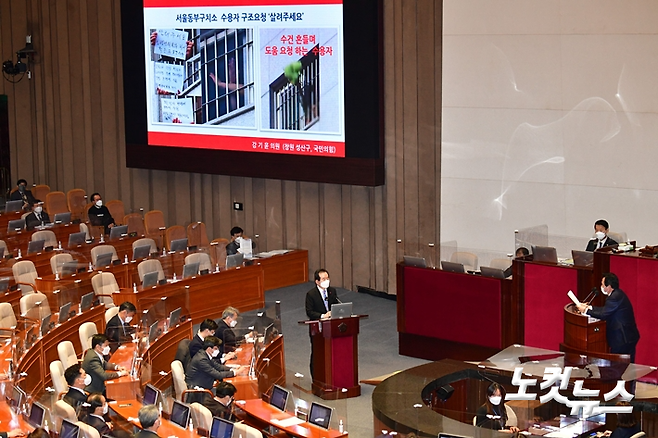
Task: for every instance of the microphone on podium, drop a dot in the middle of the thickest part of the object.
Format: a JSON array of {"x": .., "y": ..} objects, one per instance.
[{"x": 594, "y": 291}]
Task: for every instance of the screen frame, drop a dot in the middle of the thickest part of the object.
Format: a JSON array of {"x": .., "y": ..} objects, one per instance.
[
  {"x": 315, "y": 405},
  {"x": 182, "y": 406},
  {"x": 364, "y": 112},
  {"x": 285, "y": 401},
  {"x": 220, "y": 420}
]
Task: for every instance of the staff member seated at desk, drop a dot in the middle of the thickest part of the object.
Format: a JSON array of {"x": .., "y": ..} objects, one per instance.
[
  {"x": 99, "y": 215},
  {"x": 601, "y": 231},
  {"x": 493, "y": 414},
  {"x": 149, "y": 418},
  {"x": 207, "y": 328},
  {"x": 97, "y": 367},
  {"x": 118, "y": 327},
  {"x": 38, "y": 217},
  {"x": 95, "y": 409},
  {"x": 78, "y": 379},
  {"x": 225, "y": 330},
  {"x": 236, "y": 238},
  {"x": 24, "y": 194},
  {"x": 522, "y": 251},
  {"x": 225, "y": 392},
  {"x": 203, "y": 370}
]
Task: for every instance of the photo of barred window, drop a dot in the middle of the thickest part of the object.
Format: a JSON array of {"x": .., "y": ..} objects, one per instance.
[{"x": 294, "y": 96}]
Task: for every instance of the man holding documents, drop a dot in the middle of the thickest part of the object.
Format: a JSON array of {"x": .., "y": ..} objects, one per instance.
[{"x": 621, "y": 331}]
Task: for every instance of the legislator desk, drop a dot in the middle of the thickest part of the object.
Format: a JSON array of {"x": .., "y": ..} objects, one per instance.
[
  {"x": 445, "y": 314},
  {"x": 20, "y": 239},
  {"x": 263, "y": 415},
  {"x": 283, "y": 270},
  {"x": 10, "y": 421},
  {"x": 414, "y": 400},
  {"x": 124, "y": 414}
]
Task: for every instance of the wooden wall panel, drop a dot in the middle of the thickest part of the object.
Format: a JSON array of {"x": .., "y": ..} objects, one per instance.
[{"x": 67, "y": 130}]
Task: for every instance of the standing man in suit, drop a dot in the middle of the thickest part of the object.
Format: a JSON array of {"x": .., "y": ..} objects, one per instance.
[
  {"x": 601, "y": 230},
  {"x": 621, "y": 331},
  {"x": 78, "y": 379},
  {"x": 97, "y": 367},
  {"x": 149, "y": 418},
  {"x": 99, "y": 215},
  {"x": 319, "y": 301},
  {"x": 38, "y": 217},
  {"x": 24, "y": 194},
  {"x": 118, "y": 328}
]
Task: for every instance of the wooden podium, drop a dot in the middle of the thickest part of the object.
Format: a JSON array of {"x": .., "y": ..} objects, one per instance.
[
  {"x": 581, "y": 334},
  {"x": 335, "y": 357}
]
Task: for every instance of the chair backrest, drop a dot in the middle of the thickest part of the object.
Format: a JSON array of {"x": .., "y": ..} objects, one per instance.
[
  {"x": 87, "y": 431},
  {"x": 468, "y": 259},
  {"x": 201, "y": 416},
  {"x": 3, "y": 244},
  {"x": 618, "y": 236},
  {"x": 76, "y": 199},
  {"x": 86, "y": 331},
  {"x": 66, "y": 353},
  {"x": 135, "y": 223},
  {"x": 178, "y": 376},
  {"x": 25, "y": 271},
  {"x": 218, "y": 252},
  {"x": 63, "y": 410},
  {"x": 146, "y": 241},
  {"x": 640, "y": 434},
  {"x": 202, "y": 258},
  {"x": 56, "y": 203},
  {"x": 35, "y": 306},
  {"x": 58, "y": 260},
  {"x": 57, "y": 375},
  {"x": 104, "y": 283},
  {"x": 47, "y": 235},
  {"x": 246, "y": 431},
  {"x": 85, "y": 228},
  {"x": 115, "y": 206},
  {"x": 150, "y": 266},
  {"x": 196, "y": 235},
  {"x": 103, "y": 249},
  {"x": 500, "y": 263},
  {"x": 40, "y": 191},
  {"x": 111, "y": 313},
  {"x": 174, "y": 232},
  {"x": 153, "y": 221},
  {"x": 512, "y": 420},
  {"x": 7, "y": 316}
]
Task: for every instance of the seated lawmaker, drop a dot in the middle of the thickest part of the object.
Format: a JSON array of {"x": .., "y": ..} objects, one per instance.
[
  {"x": 236, "y": 238},
  {"x": 521, "y": 252},
  {"x": 225, "y": 392},
  {"x": 492, "y": 414},
  {"x": 97, "y": 407},
  {"x": 37, "y": 217},
  {"x": 94, "y": 364},
  {"x": 601, "y": 238},
  {"x": 118, "y": 329},
  {"x": 225, "y": 330},
  {"x": 77, "y": 379},
  {"x": 149, "y": 418},
  {"x": 24, "y": 194},
  {"x": 207, "y": 328},
  {"x": 99, "y": 215}
]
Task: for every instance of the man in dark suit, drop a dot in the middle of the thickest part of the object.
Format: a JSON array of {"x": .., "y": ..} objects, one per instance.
[
  {"x": 99, "y": 215},
  {"x": 38, "y": 217},
  {"x": 225, "y": 329},
  {"x": 77, "y": 378},
  {"x": 149, "y": 418},
  {"x": 97, "y": 408},
  {"x": 319, "y": 301},
  {"x": 225, "y": 392},
  {"x": 97, "y": 367},
  {"x": 118, "y": 328},
  {"x": 24, "y": 194},
  {"x": 207, "y": 328},
  {"x": 601, "y": 230},
  {"x": 234, "y": 244},
  {"x": 621, "y": 331}
]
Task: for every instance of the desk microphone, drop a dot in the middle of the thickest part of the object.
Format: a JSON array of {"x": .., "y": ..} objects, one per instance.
[{"x": 594, "y": 291}]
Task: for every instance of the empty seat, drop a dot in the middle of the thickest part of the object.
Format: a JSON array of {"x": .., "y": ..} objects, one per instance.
[
  {"x": 103, "y": 249},
  {"x": 202, "y": 258},
  {"x": 146, "y": 241},
  {"x": 178, "y": 376},
  {"x": 246, "y": 431},
  {"x": 117, "y": 211},
  {"x": 154, "y": 224},
  {"x": 201, "y": 416},
  {"x": 76, "y": 199},
  {"x": 58, "y": 260},
  {"x": 104, "y": 285},
  {"x": 619, "y": 236},
  {"x": 66, "y": 354},
  {"x": 56, "y": 203},
  {"x": 135, "y": 223},
  {"x": 85, "y": 228},
  {"x": 7, "y": 316},
  {"x": 150, "y": 266},
  {"x": 174, "y": 232},
  {"x": 196, "y": 235},
  {"x": 218, "y": 251},
  {"x": 87, "y": 431},
  {"x": 3, "y": 245},
  {"x": 500, "y": 263},
  {"x": 35, "y": 306},
  {"x": 468, "y": 259},
  {"x": 57, "y": 375},
  {"x": 40, "y": 191},
  {"x": 64, "y": 410},
  {"x": 25, "y": 272},
  {"x": 47, "y": 236},
  {"x": 86, "y": 331}
]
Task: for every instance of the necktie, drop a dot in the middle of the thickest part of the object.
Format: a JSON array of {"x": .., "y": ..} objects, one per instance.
[
  {"x": 324, "y": 299},
  {"x": 600, "y": 244}
]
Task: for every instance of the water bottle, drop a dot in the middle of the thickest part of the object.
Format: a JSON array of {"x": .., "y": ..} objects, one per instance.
[{"x": 125, "y": 259}]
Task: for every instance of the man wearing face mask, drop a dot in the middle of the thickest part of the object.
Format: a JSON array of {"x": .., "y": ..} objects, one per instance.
[
  {"x": 99, "y": 215},
  {"x": 38, "y": 217},
  {"x": 77, "y": 380},
  {"x": 225, "y": 330},
  {"x": 97, "y": 407},
  {"x": 118, "y": 329},
  {"x": 621, "y": 331},
  {"x": 207, "y": 328},
  {"x": 319, "y": 301},
  {"x": 97, "y": 367},
  {"x": 493, "y": 413},
  {"x": 149, "y": 418},
  {"x": 24, "y": 194},
  {"x": 601, "y": 231}
]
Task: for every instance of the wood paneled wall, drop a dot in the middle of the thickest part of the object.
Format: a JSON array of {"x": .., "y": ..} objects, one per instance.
[{"x": 66, "y": 130}]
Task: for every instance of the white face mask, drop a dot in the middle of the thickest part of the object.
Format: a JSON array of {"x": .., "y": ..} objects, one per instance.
[
  {"x": 87, "y": 380},
  {"x": 603, "y": 290},
  {"x": 99, "y": 203},
  {"x": 38, "y": 209},
  {"x": 324, "y": 284},
  {"x": 233, "y": 323},
  {"x": 600, "y": 235},
  {"x": 105, "y": 408},
  {"x": 128, "y": 319},
  {"x": 495, "y": 400},
  {"x": 106, "y": 350},
  {"x": 215, "y": 353}
]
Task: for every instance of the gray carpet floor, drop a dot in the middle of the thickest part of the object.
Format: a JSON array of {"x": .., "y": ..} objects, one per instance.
[{"x": 378, "y": 350}]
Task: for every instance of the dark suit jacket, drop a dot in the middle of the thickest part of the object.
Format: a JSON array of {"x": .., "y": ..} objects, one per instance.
[
  {"x": 26, "y": 196},
  {"x": 75, "y": 398},
  {"x": 232, "y": 248},
  {"x": 116, "y": 332},
  {"x": 31, "y": 220},
  {"x": 195, "y": 345},
  {"x": 620, "y": 319},
  {"x": 146, "y": 434},
  {"x": 100, "y": 216},
  {"x": 315, "y": 305},
  {"x": 226, "y": 334},
  {"x": 625, "y": 432},
  {"x": 98, "y": 371},
  {"x": 593, "y": 243},
  {"x": 99, "y": 424},
  {"x": 203, "y": 371}
]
